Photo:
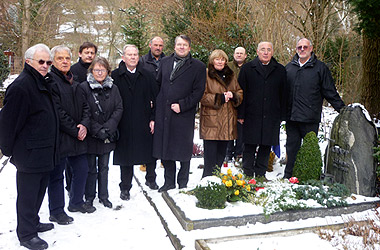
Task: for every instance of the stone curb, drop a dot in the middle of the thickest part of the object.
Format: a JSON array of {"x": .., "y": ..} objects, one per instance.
[{"x": 292, "y": 215}]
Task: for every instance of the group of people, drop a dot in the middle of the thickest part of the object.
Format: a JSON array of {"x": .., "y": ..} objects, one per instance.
[{"x": 69, "y": 119}]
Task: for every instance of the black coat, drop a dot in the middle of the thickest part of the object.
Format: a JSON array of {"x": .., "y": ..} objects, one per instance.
[
  {"x": 139, "y": 97},
  {"x": 264, "y": 101},
  {"x": 79, "y": 70},
  {"x": 149, "y": 64},
  {"x": 29, "y": 123},
  {"x": 105, "y": 119},
  {"x": 173, "y": 135},
  {"x": 308, "y": 86},
  {"x": 73, "y": 110}
]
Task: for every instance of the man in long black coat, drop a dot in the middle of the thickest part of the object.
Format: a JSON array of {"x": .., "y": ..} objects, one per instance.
[
  {"x": 29, "y": 134},
  {"x": 138, "y": 91},
  {"x": 263, "y": 82},
  {"x": 182, "y": 81}
]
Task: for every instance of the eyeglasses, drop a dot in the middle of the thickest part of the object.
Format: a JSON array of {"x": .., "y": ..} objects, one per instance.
[
  {"x": 42, "y": 62},
  {"x": 99, "y": 70},
  {"x": 302, "y": 47}
]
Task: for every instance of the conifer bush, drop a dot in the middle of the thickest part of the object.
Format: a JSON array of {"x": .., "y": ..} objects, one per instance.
[
  {"x": 308, "y": 165},
  {"x": 211, "y": 196}
]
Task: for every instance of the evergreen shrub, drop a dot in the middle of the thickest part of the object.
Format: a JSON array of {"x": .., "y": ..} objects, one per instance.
[{"x": 211, "y": 196}]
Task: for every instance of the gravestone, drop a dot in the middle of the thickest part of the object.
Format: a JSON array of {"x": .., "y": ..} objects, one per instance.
[{"x": 350, "y": 158}]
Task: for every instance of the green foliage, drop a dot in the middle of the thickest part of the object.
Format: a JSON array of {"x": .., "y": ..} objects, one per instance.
[
  {"x": 211, "y": 196},
  {"x": 308, "y": 163},
  {"x": 376, "y": 155},
  {"x": 368, "y": 12},
  {"x": 4, "y": 67},
  {"x": 323, "y": 195}
]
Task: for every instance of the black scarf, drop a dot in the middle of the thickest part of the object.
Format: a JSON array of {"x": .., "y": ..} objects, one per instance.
[{"x": 180, "y": 61}]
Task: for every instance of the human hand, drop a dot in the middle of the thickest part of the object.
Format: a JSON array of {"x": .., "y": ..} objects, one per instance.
[
  {"x": 176, "y": 108},
  {"x": 151, "y": 126},
  {"x": 82, "y": 132},
  {"x": 241, "y": 121}
]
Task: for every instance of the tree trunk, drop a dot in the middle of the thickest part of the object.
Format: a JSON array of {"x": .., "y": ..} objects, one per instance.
[
  {"x": 25, "y": 27},
  {"x": 370, "y": 84}
]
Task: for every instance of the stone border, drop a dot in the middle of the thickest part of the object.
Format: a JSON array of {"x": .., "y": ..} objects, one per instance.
[{"x": 292, "y": 215}]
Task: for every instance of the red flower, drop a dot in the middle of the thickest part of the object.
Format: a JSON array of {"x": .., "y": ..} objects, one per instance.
[
  {"x": 294, "y": 180},
  {"x": 252, "y": 181},
  {"x": 258, "y": 188}
]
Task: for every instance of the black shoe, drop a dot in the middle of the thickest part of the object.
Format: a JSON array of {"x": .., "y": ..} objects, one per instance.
[
  {"x": 152, "y": 185},
  {"x": 105, "y": 203},
  {"x": 124, "y": 195},
  {"x": 61, "y": 219},
  {"x": 84, "y": 208},
  {"x": 35, "y": 243},
  {"x": 89, "y": 203},
  {"x": 43, "y": 227},
  {"x": 166, "y": 188}
]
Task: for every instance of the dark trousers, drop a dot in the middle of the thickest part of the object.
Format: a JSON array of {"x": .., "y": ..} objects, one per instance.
[
  {"x": 170, "y": 172},
  {"x": 68, "y": 175},
  {"x": 78, "y": 182},
  {"x": 235, "y": 147},
  {"x": 126, "y": 175},
  {"x": 255, "y": 162},
  {"x": 214, "y": 153},
  {"x": 31, "y": 190},
  {"x": 295, "y": 132},
  {"x": 97, "y": 171}
]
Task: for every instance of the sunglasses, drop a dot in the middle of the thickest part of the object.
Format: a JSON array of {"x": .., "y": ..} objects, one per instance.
[
  {"x": 304, "y": 47},
  {"x": 41, "y": 62}
]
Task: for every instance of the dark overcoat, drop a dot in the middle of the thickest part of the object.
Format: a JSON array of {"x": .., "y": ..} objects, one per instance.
[
  {"x": 72, "y": 110},
  {"x": 108, "y": 96},
  {"x": 29, "y": 123},
  {"x": 149, "y": 64},
  {"x": 264, "y": 103},
  {"x": 139, "y": 97},
  {"x": 80, "y": 70},
  {"x": 173, "y": 135}
]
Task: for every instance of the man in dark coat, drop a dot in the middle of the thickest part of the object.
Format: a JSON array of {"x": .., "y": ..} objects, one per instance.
[
  {"x": 29, "y": 134},
  {"x": 152, "y": 60},
  {"x": 74, "y": 115},
  {"x": 87, "y": 53},
  {"x": 310, "y": 82},
  {"x": 182, "y": 81},
  {"x": 138, "y": 91},
  {"x": 263, "y": 82}
]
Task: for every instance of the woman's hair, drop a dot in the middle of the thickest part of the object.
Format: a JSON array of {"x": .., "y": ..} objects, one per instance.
[
  {"x": 218, "y": 53},
  {"x": 102, "y": 61}
]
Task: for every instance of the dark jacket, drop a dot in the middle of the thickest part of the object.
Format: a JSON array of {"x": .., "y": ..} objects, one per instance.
[
  {"x": 173, "y": 135},
  {"x": 264, "y": 102},
  {"x": 104, "y": 122},
  {"x": 149, "y": 64},
  {"x": 308, "y": 86},
  {"x": 73, "y": 110},
  {"x": 29, "y": 123},
  {"x": 218, "y": 118},
  {"x": 79, "y": 70},
  {"x": 139, "y": 97}
]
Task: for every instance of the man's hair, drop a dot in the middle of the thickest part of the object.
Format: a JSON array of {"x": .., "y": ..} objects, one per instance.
[
  {"x": 130, "y": 46},
  {"x": 218, "y": 53},
  {"x": 184, "y": 37},
  {"x": 60, "y": 48},
  {"x": 86, "y": 45},
  {"x": 29, "y": 53},
  {"x": 311, "y": 44},
  {"x": 245, "y": 51},
  {"x": 102, "y": 61},
  {"x": 154, "y": 38},
  {"x": 260, "y": 43}
]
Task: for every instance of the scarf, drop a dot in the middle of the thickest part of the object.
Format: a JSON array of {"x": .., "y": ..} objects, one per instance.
[{"x": 180, "y": 61}]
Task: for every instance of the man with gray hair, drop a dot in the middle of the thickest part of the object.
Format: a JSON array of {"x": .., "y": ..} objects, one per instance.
[
  {"x": 263, "y": 81},
  {"x": 29, "y": 135},
  {"x": 309, "y": 82},
  {"x": 74, "y": 118},
  {"x": 138, "y": 90}
]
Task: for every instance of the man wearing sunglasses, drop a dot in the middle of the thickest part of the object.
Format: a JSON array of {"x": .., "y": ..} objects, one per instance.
[
  {"x": 309, "y": 82},
  {"x": 29, "y": 134}
]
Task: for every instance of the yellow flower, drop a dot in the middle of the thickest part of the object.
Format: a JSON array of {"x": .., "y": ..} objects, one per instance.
[
  {"x": 239, "y": 182},
  {"x": 236, "y": 192},
  {"x": 248, "y": 188},
  {"x": 229, "y": 183},
  {"x": 240, "y": 176},
  {"x": 233, "y": 177},
  {"x": 224, "y": 181},
  {"x": 225, "y": 177},
  {"x": 229, "y": 172}
]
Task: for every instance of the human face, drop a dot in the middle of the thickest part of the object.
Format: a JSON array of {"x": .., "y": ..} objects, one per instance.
[
  {"x": 99, "y": 72},
  {"x": 131, "y": 57},
  {"x": 40, "y": 56},
  {"x": 240, "y": 55},
  {"x": 156, "y": 47},
  {"x": 87, "y": 55},
  {"x": 265, "y": 52},
  {"x": 182, "y": 47},
  {"x": 62, "y": 61},
  {"x": 304, "y": 50},
  {"x": 219, "y": 63}
]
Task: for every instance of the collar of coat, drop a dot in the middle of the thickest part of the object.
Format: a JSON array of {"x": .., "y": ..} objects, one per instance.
[
  {"x": 256, "y": 63},
  {"x": 311, "y": 62},
  {"x": 107, "y": 83},
  {"x": 66, "y": 78},
  {"x": 86, "y": 65},
  {"x": 41, "y": 80},
  {"x": 213, "y": 74},
  {"x": 123, "y": 68}
]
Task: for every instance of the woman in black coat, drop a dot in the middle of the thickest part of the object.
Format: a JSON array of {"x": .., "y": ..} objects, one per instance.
[{"x": 106, "y": 108}]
